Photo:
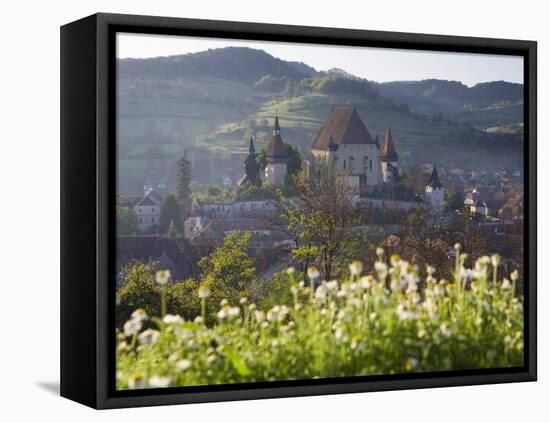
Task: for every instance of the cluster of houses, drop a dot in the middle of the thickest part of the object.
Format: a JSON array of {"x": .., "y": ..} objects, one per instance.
[{"x": 345, "y": 145}]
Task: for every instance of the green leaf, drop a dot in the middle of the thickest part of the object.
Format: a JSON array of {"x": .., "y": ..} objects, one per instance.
[{"x": 237, "y": 362}]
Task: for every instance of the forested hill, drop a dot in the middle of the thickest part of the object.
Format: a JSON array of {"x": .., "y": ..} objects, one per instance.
[
  {"x": 436, "y": 95},
  {"x": 231, "y": 63}
]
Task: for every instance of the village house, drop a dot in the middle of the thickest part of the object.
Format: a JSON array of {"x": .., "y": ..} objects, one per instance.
[{"x": 147, "y": 212}]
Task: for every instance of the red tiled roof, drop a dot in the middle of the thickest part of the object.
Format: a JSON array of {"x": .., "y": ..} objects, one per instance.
[
  {"x": 345, "y": 126},
  {"x": 276, "y": 147}
]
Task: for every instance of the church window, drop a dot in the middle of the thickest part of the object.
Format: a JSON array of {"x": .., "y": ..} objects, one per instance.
[
  {"x": 344, "y": 164},
  {"x": 370, "y": 165}
]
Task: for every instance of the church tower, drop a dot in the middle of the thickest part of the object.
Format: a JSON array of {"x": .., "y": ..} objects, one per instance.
[
  {"x": 434, "y": 191},
  {"x": 277, "y": 157},
  {"x": 389, "y": 160},
  {"x": 251, "y": 168}
]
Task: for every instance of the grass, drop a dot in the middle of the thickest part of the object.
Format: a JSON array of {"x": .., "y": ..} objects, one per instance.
[{"x": 385, "y": 322}]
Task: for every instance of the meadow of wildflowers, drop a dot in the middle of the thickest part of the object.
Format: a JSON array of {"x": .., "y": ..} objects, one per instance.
[{"x": 389, "y": 321}]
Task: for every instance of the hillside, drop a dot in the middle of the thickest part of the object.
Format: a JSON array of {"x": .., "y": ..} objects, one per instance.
[
  {"x": 210, "y": 103},
  {"x": 483, "y": 105},
  {"x": 230, "y": 63}
]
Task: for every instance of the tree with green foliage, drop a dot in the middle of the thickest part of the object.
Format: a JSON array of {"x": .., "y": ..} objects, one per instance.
[
  {"x": 320, "y": 223},
  {"x": 455, "y": 200},
  {"x": 183, "y": 192},
  {"x": 172, "y": 231},
  {"x": 254, "y": 192},
  {"x": 171, "y": 213},
  {"x": 230, "y": 264},
  {"x": 139, "y": 290},
  {"x": 126, "y": 220}
]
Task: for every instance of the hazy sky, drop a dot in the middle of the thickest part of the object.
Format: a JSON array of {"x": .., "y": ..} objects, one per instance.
[{"x": 375, "y": 64}]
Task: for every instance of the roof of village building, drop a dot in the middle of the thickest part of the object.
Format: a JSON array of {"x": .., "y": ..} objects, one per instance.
[
  {"x": 148, "y": 200},
  {"x": 343, "y": 126},
  {"x": 434, "y": 181},
  {"x": 169, "y": 253},
  {"x": 276, "y": 147},
  {"x": 388, "y": 151}
]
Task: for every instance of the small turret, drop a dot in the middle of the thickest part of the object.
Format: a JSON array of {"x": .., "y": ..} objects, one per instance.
[
  {"x": 251, "y": 167},
  {"x": 277, "y": 156},
  {"x": 434, "y": 191},
  {"x": 389, "y": 160}
]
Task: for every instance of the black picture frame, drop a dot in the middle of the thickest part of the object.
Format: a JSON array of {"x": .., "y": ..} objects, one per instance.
[{"x": 87, "y": 212}]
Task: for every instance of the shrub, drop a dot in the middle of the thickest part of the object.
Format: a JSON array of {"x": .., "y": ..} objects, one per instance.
[{"x": 379, "y": 323}]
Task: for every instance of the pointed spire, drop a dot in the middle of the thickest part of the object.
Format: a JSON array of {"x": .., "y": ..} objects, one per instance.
[
  {"x": 388, "y": 151},
  {"x": 276, "y": 127},
  {"x": 251, "y": 148},
  {"x": 434, "y": 180},
  {"x": 276, "y": 147},
  {"x": 376, "y": 141}
]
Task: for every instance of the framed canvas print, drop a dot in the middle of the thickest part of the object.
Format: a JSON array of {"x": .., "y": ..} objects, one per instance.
[{"x": 256, "y": 211}]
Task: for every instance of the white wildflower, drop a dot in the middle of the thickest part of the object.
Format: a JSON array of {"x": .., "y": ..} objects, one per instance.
[
  {"x": 159, "y": 381},
  {"x": 233, "y": 311},
  {"x": 204, "y": 292},
  {"x": 332, "y": 285},
  {"x": 173, "y": 318},
  {"x": 140, "y": 314},
  {"x": 193, "y": 344},
  {"x": 381, "y": 268},
  {"x": 259, "y": 315},
  {"x": 355, "y": 268},
  {"x": 162, "y": 277},
  {"x": 506, "y": 284},
  {"x": 321, "y": 291},
  {"x": 430, "y": 307},
  {"x": 366, "y": 282},
  {"x": 149, "y": 336},
  {"x": 404, "y": 313},
  {"x": 132, "y": 327},
  {"x": 312, "y": 273},
  {"x": 445, "y": 329},
  {"x": 183, "y": 364}
]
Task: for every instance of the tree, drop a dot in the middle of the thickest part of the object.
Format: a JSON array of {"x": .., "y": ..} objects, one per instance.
[
  {"x": 320, "y": 221},
  {"x": 425, "y": 240},
  {"x": 230, "y": 264},
  {"x": 172, "y": 231},
  {"x": 170, "y": 213},
  {"x": 139, "y": 290},
  {"x": 183, "y": 192},
  {"x": 455, "y": 200},
  {"x": 126, "y": 220}
]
